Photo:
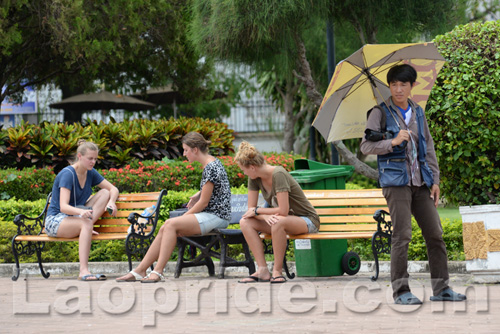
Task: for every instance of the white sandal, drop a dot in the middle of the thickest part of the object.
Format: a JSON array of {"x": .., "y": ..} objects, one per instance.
[
  {"x": 160, "y": 278},
  {"x": 137, "y": 277}
]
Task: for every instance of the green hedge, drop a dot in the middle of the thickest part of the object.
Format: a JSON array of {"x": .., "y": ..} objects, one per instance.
[{"x": 31, "y": 184}]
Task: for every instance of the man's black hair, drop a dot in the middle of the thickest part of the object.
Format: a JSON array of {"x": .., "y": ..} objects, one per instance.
[{"x": 403, "y": 73}]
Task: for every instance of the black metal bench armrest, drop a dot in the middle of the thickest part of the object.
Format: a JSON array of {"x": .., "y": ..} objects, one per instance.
[
  {"x": 32, "y": 225},
  {"x": 383, "y": 225},
  {"x": 140, "y": 228}
]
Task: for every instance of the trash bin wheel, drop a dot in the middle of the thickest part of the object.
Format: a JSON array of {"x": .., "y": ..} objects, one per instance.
[{"x": 351, "y": 263}]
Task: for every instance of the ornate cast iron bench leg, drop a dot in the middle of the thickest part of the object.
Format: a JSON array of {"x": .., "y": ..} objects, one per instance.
[
  {"x": 39, "y": 249},
  {"x": 381, "y": 240},
  {"x": 16, "y": 258}
]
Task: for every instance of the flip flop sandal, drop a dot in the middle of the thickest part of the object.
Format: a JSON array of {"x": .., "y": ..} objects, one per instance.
[
  {"x": 407, "y": 298},
  {"x": 88, "y": 278},
  {"x": 137, "y": 277},
  {"x": 278, "y": 279},
  {"x": 160, "y": 278},
  {"x": 253, "y": 279},
  {"x": 101, "y": 277},
  {"x": 448, "y": 295}
]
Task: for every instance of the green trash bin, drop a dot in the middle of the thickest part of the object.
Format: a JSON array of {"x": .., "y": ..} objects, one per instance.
[{"x": 320, "y": 258}]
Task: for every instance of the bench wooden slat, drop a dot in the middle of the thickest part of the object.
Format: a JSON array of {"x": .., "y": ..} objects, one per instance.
[
  {"x": 326, "y": 236},
  {"x": 349, "y": 210},
  {"x": 153, "y": 196},
  {"x": 348, "y": 202},
  {"x": 348, "y": 227},
  {"x": 116, "y": 229},
  {"x": 345, "y": 219},
  {"x": 112, "y": 221},
  {"x": 134, "y": 205},
  {"x": 44, "y": 237}
]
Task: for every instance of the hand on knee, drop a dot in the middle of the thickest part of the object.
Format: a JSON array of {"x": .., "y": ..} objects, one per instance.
[{"x": 277, "y": 227}]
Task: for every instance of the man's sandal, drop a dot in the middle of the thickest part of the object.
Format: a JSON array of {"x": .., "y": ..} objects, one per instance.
[
  {"x": 407, "y": 298},
  {"x": 448, "y": 295},
  {"x": 160, "y": 278}
]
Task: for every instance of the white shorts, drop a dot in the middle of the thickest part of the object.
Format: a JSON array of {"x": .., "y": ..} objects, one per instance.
[{"x": 209, "y": 221}]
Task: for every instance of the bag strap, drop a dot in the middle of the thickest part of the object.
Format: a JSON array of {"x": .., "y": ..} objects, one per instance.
[{"x": 383, "y": 120}]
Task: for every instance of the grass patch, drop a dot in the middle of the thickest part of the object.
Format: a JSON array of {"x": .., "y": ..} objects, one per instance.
[{"x": 450, "y": 213}]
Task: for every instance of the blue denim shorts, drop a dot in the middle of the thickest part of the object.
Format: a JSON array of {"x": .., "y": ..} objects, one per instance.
[
  {"x": 310, "y": 226},
  {"x": 209, "y": 221},
  {"x": 52, "y": 223}
]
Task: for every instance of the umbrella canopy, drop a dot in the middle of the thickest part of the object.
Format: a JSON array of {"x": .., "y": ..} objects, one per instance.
[
  {"x": 166, "y": 95},
  {"x": 102, "y": 100},
  {"x": 359, "y": 83}
]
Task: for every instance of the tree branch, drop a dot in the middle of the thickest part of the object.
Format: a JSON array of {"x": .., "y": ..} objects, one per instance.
[
  {"x": 305, "y": 70},
  {"x": 351, "y": 159}
]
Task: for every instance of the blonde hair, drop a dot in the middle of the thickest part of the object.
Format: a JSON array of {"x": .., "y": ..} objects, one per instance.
[
  {"x": 248, "y": 155},
  {"x": 84, "y": 146},
  {"x": 196, "y": 140}
]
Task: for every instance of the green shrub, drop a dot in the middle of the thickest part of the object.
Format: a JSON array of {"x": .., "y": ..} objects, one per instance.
[
  {"x": 452, "y": 235},
  {"x": 53, "y": 145},
  {"x": 464, "y": 112},
  {"x": 12, "y": 207},
  {"x": 29, "y": 184}
]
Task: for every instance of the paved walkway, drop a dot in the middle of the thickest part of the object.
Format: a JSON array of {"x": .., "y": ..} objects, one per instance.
[{"x": 197, "y": 303}]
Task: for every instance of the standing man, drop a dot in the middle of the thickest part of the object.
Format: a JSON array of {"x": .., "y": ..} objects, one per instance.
[{"x": 398, "y": 133}]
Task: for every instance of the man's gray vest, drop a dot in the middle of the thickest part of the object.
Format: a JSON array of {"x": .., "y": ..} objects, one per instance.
[{"x": 392, "y": 166}]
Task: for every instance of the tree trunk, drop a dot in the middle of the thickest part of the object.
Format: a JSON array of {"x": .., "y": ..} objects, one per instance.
[
  {"x": 351, "y": 159},
  {"x": 288, "y": 130},
  {"x": 312, "y": 93}
]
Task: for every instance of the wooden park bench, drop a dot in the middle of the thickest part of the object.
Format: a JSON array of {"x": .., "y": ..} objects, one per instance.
[
  {"x": 31, "y": 238},
  {"x": 350, "y": 214}
]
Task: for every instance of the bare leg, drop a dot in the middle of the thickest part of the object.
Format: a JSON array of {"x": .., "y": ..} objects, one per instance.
[
  {"x": 183, "y": 225},
  {"x": 284, "y": 226},
  {"x": 162, "y": 247},
  {"x": 83, "y": 228},
  {"x": 250, "y": 228},
  {"x": 75, "y": 226},
  {"x": 150, "y": 257},
  {"x": 98, "y": 203}
]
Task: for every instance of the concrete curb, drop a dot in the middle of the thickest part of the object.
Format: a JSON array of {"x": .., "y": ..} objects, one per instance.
[{"x": 117, "y": 268}]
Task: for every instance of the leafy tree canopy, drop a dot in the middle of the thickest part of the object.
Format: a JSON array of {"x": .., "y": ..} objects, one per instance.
[{"x": 75, "y": 43}]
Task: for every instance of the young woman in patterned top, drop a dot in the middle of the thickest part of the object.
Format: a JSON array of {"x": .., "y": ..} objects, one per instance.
[
  {"x": 289, "y": 213},
  {"x": 208, "y": 209}
]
